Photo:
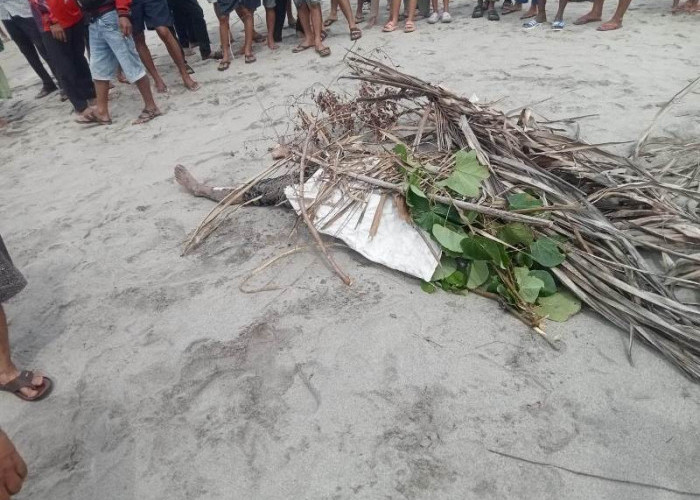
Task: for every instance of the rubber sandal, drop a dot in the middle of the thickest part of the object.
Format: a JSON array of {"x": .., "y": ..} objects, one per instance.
[
  {"x": 409, "y": 27},
  {"x": 259, "y": 38},
  {"x": 355, "y": 34},
  {"x": 24, "y": 381},
  {"x": 324, "y": 52},
  {"x": 301, "y": 48},
  {"x": 558, "y": 25},
  {"x": 324, "y": 35},
  {"x": 329, "y": 22},
  {"x": 146, "y": 116},
  {"x": 507, "y": 4},
  {"x": 532, "y": 24},
  {"x": 492, "y": 15},
  {"x": 389, "y": 27},
  {"x": 217, "y": 55},
  {"x": 224, "y": 65},
  {"x": 478, "y": 11},
  {"x": 250, "y": 59},
  {"x": 91, "y": 119}
]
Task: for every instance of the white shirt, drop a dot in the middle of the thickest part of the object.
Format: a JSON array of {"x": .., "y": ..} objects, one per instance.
[{"x": 14, "y": 8}]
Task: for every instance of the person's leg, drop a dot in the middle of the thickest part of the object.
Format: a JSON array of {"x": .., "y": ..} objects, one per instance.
[
  {"x": 195, "y": 188},
  {"x": 101, "y": 108},
  {"x": 290, "y": 14},
  {"x": 616, "y": 20},
  {"x": 103, "y": 65},
  {"x": 199, "y": 27},
  {"x": 559, "y": 17},
  {"x": 394, "y": 15},
  {"x": 531, "y": 12},
  {"x": 373, "y": 14},
  {"x": 359, "y": 16},
  {"x": 149, "y": 103},
  {"x": 83, "y": 77},
  {"x": 246, "y": 16},
  {"x": 225, "y": 36},
  {"x": 594, "y": 15},
  {"x": 175, "y": 52},
  {"x": 280, "y": 15},
  {"x": 316, "y": 17},
  {"x": 11, "y": 283},
  {"x": 147, "y": 60},
  {"x": 304, "y": 20},
  {"x": 541, "y": 11},
  {"x": 8, "y": 370},
  {"x": 270, "y": 18},
  {"x": 3, "y": 35},
  {"x": 411, "y": 16},
  {"x": 27, "y": 47},
  {"x": 332, "y": 14},
  {"x": 63, "y": 60},
  {"x": 435, "y": 16},
  {"x": 347, "y": 12}
]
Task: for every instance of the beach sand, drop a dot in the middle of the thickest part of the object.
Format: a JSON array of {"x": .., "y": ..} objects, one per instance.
[{"x": 173, "y": 383}]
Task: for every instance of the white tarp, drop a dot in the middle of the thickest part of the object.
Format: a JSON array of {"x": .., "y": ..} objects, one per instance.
[{"x": 397, "y": 243}]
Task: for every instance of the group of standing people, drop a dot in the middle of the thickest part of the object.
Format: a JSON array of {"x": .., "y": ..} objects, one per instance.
[{"x": 112, "y": 34}]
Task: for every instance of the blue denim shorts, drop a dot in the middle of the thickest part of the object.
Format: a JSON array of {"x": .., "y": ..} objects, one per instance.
[{"x": 109, "y": 49}]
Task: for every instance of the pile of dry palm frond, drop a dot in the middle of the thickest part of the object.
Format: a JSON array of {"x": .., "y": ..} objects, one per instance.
[{"x": 517, "y": 207}]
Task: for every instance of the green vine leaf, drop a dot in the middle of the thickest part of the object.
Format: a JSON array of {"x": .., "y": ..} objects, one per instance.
[
  {"x": 545, "y": 252},
  {"x": 558, "y": 307},
  {"x": 478, "y": 274},
  {"x": 467, "y": 176},
  {"x": 448, "y": 238}
]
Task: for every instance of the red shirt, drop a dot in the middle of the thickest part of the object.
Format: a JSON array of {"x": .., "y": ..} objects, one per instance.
[{"x": 64, "y": 12}]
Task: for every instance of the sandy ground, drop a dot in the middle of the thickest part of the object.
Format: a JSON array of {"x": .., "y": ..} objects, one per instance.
[{"x": 174, "y": 384}]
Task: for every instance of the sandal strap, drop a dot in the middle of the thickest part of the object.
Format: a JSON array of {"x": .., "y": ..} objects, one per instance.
[{"x": 22, "y": 381}]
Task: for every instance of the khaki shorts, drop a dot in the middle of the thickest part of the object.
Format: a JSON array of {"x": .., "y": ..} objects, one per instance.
[{"x": 310, "y": 3}]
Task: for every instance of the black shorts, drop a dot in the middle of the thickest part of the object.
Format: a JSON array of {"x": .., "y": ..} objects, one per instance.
[{"x": 150, "y": 14}]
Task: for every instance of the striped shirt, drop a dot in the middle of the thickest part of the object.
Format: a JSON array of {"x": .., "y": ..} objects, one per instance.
[{"x": 14, "y": 8}]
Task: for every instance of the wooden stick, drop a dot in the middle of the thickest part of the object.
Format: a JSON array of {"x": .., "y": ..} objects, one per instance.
[
  {"x": 302, "y": 208},
  {"x": 465, "y": 205}
]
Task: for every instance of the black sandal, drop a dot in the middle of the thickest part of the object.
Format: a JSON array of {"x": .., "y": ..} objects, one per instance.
[
  {"x": 478, "y": 11},
  {"x": 493, "y": 15}
]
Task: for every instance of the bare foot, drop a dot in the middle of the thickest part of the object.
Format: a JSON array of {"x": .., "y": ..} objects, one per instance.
[
  {"x": 161, "y": 87},
  {"x": 272, "y": 45},
  {"x": 529, "y": 13},
  {"x": 191, "y": 84},
  {"x": 187, "y": 180},
  {"x": 371, "y": 22},
  {"x": 610, "y": 25},
  {"x": 588, "y": 18},
  {"x": 13, "y": 373}
]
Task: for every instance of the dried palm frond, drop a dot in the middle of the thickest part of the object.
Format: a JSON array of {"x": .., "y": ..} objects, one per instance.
[{"x": 607, "y": 213}]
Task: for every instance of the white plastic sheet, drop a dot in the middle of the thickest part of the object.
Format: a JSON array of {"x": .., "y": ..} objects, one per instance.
[{"x": 397, "y": 244}]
